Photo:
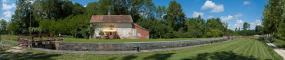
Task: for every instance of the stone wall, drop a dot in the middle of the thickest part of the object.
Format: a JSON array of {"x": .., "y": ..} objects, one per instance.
[{"x": 128, "y": 46}]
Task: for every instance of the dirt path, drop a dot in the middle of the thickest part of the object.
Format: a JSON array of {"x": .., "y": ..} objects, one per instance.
[
  {"x": 15, "y": 49},
  {"x": 278, "y": 50}
]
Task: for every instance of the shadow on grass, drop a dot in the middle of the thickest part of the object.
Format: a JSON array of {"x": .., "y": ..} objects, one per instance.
[
  {"x": 113, "y": 58},
  {"x": 130, "y": 57},
  {"x": 26, "y": 56},
  {"x": 221, "y": 56},
  {"x": 159, "y": 56}
]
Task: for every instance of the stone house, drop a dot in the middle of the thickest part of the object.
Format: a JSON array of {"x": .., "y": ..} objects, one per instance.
[{"x": 118, "y": 27}]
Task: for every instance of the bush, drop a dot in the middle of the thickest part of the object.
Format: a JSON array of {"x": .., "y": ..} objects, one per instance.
[{"x": 101, "y": 33}]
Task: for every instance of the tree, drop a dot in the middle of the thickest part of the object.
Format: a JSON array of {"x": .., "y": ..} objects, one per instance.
[
  {"x": 246, "y": 26},
  {"x": 272, "y": 17},
  {"x": 175, "y": 16},
  {"x": 92, "y": 8},
  {"x": 3, "y": 25},
  {"x": 78, "y": 9},
  {"x": 258, "y": 29},
  {"x": 160, "y": 12}
]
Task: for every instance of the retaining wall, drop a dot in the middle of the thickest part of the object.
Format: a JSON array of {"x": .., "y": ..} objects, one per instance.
[{"x": 128, "y": 46}]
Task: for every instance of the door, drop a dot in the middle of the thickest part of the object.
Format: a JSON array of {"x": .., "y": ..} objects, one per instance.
[{"x": 111, "y": 35}]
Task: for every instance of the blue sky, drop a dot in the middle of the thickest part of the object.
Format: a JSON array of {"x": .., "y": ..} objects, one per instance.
[{"x": 234, "y": 12}]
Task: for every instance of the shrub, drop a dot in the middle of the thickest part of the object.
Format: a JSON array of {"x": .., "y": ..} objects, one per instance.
[{"x": 101, "y": 33}]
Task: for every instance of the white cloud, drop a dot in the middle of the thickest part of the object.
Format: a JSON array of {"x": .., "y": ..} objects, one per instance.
[
  {"x": 7, "y": 13},
  {"x": 253, "y": 24},
  {"x": 196, "y": 14},
  {"x": 4, "y": 1},
  {"x": 7, "y": 7},
  {"x": 229, "y": 25},
  {"x": 246, "y": 2},
  {"x": 211, "y": 5},
  {"x": 210, "y": 16},
  {"x": 238, "y": 15},
  {"x": 85, "y": 5},
  {"x": 3, "y": 18},
  {"x": 226, "y": 18},
  {"x": 238, "y": 24}
]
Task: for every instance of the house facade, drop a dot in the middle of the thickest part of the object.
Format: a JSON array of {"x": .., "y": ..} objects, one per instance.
[{"x": 117, "y": 27}]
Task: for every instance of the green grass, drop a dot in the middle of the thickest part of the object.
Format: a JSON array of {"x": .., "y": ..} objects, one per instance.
[
  {"x": 71, "y": 39},
  {"x": 10, "y": 42},
  {"x": 124, "y": 40},
  {"x": 279, "y": 43},
  {"x": 244, "y": 49}
]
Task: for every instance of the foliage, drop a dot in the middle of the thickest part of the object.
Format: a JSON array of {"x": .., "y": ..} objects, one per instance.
[
  {"x": 273, "y": 19},
  {"x": 65, "y": 17},
  {"x": 3, "y": 26},
  {"x": 101, "y": 33},
  {"x": 246, "y": 26}
]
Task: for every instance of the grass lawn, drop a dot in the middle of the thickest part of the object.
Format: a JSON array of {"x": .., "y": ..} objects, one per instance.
[
  {"x": 71, "y": 39},
  {"x": 125, "y": 40},
  {"x": 244, "y": 49},
  {"x": 279, "y": 43}
]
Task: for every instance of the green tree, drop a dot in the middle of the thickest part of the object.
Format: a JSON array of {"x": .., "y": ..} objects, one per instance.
[
  {"x": 92, "y": 8},
  {"x": 175, "y": 16},
  {"x": 258, "y": 29},
  {"x": 272, "y": 17},
  {"x": 246, "y": 26},
  {"x": 3, "y": 24}
]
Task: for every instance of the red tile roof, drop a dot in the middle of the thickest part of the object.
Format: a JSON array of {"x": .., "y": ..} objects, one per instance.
[
  {"x": 139, "y": 26},
  {"x": 111, "y": 18}
]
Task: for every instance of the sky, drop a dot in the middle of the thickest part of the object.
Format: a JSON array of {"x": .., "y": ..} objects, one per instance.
[{"x": 233, "y": 12}]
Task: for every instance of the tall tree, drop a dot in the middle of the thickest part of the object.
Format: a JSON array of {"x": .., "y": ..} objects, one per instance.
[
  {"x": 175, "y": 16},
  {"x": 246, "y": 26},
  {"x": 258, "y": 29},
  {"x": 272, "y": 17},
  {"x": 3, "y": 24},
  {"x": 92, "y": 8},
  {"x": 160, "y": 12}
]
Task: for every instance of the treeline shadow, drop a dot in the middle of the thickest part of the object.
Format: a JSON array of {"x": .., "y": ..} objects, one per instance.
[
  {"x": 221, "y": 56},
  {"x": 26, "y": 56},
  {"x": 164, "y": 56}
]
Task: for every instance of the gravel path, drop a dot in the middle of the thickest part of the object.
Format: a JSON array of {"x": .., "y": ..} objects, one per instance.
[
  {"x": 15, "y": 49},
  {"x": 278, "y": 50},
  {"x": 117, "y": 52}
]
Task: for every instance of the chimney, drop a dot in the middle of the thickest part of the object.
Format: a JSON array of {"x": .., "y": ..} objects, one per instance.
[{"x": 108, "y": 13}]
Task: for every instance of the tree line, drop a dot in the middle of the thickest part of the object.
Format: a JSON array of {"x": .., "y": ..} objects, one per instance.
[
  {"x": 274, "y": 19},
  {"x": 65, "y": 17}
]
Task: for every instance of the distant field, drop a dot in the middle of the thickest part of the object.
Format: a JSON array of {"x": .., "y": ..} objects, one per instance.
[
  {"x": 244, "y": 49},
  {"x": 280, "y": 43}
]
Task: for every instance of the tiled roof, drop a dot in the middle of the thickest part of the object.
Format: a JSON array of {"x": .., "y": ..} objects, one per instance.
[
  {"x": 111, "y": 18},
  {"x": 139, "y": 26}
]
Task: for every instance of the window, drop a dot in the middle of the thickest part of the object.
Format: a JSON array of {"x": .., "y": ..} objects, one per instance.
[
  {"x": 134, "y": 32},
  {"x": 111, "y": 33},
  {"x": 124, "y": 31}
]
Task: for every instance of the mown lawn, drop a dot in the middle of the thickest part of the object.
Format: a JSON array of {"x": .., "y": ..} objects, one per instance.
[
  {"x": 244, "y": 49},
  {"x": 279, "y": 43}
]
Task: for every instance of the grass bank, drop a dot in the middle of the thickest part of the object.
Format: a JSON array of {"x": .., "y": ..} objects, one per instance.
[
  {"x": 279, "y": 43},
  {"x": 244, "y": 49}
]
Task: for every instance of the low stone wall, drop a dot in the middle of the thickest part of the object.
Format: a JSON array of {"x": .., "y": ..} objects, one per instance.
[{"x": 128, "y": 46}]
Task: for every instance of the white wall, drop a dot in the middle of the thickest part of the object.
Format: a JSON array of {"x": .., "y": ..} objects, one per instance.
[{"x": 119, "y": 27}]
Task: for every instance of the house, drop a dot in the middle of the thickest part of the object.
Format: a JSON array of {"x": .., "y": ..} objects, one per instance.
[{"x": 118, "y": 27}]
